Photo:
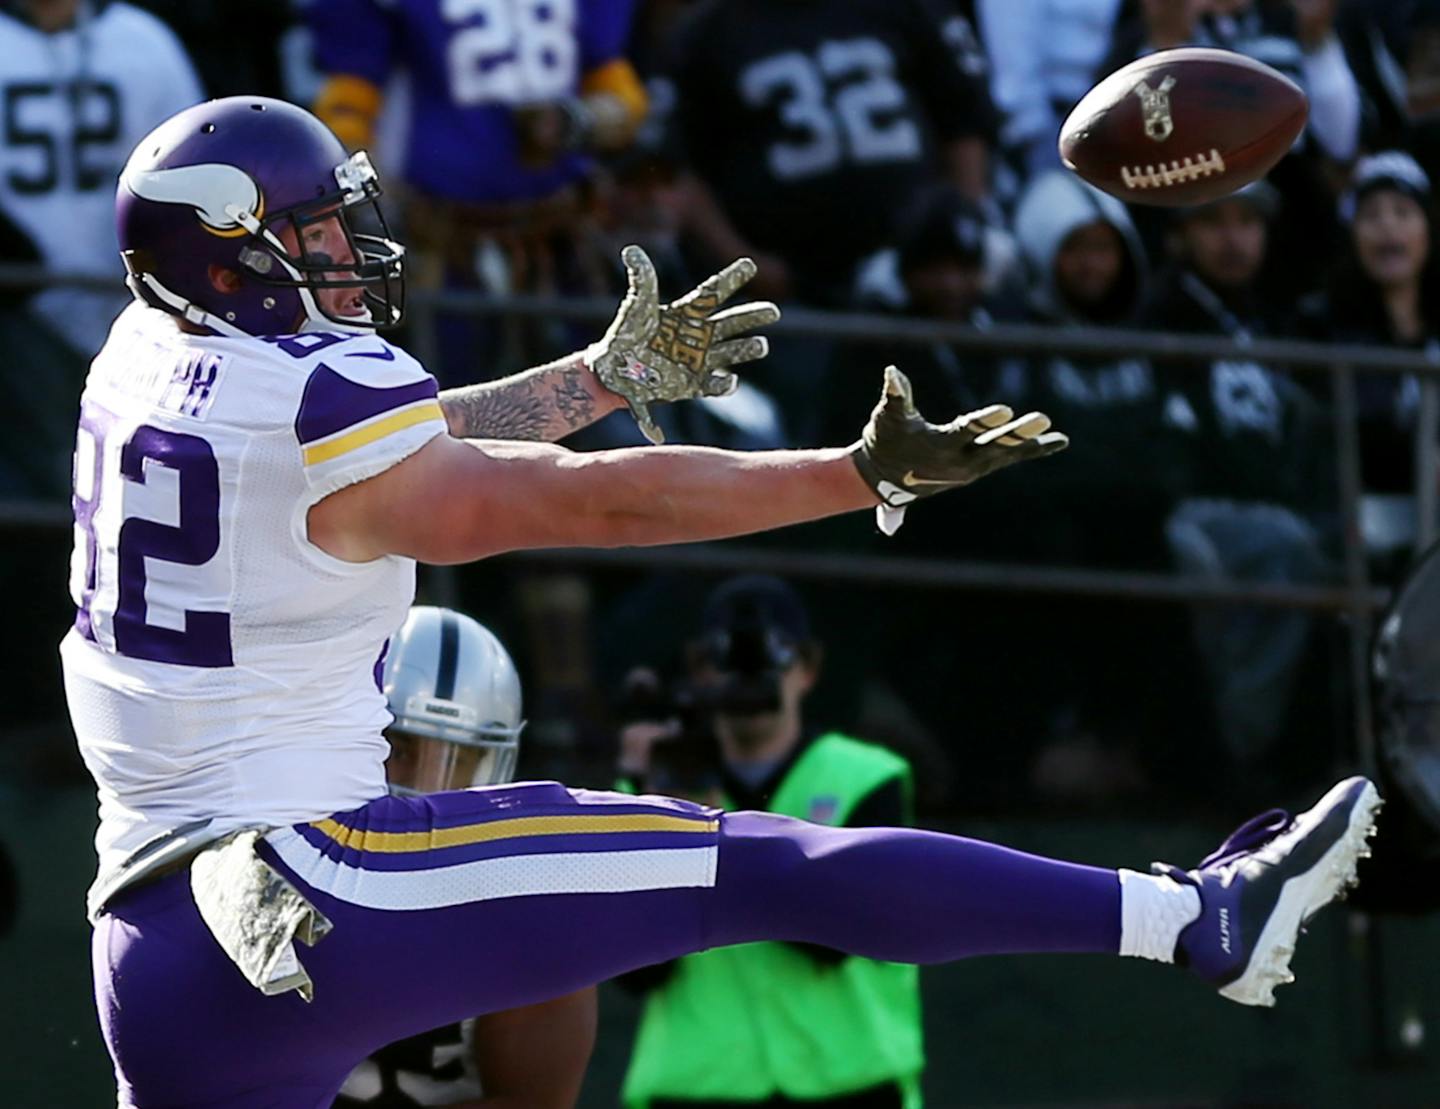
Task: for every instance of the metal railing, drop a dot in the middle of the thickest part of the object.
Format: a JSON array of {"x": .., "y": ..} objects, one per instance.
[{"x": 1355, "y": 598}]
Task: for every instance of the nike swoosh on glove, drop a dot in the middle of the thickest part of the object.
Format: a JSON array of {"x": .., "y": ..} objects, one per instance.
[
  {"x": 903, "y": 457},
  {"x": 682, "y": 350}
]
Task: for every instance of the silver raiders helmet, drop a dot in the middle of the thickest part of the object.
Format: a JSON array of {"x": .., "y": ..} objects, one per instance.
[{"x": 456, "y": 698}]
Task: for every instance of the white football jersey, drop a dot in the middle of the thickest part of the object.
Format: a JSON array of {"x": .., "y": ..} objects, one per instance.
[
  {"x": 75, "y": 103},
  {"x": 221, "y": 665}
]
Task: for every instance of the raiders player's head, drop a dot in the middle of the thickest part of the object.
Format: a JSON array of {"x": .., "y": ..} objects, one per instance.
[{"x": 456, "y": 698}]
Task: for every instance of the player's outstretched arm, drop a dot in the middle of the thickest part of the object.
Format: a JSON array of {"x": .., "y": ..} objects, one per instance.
[
  {"x": 651, "y": 353},
  {"x": 461, "y": 500},
  {"x": 457, "y": 501}
]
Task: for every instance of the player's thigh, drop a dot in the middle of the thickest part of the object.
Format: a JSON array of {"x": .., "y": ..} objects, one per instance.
[
  {"x": 472, "y": 901},
  {"x": 185, "y": 1029}
]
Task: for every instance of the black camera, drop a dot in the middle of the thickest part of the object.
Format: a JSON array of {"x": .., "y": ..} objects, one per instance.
[{"x": 740, "y": 667}]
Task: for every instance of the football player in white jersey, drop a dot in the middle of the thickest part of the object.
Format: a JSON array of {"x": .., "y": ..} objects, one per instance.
[
  {"x": 256, "y": 473},
  {"x": 455, "y": 695},
  {"x": 81, "y": 82}
]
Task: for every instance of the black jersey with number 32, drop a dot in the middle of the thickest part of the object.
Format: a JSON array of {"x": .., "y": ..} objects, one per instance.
[{"x": 814, "y": 122}]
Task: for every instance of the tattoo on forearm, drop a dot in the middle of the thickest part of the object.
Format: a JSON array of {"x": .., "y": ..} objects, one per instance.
[
  {"x": 542, "y": 405},
  {"x": 573, "y": 402},
  {"x": 496, "y": 410}
]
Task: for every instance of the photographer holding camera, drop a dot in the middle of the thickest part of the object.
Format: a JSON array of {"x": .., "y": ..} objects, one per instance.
[{"x": 770, "y": 1024}]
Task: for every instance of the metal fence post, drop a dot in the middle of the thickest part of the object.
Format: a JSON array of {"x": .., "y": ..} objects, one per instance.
[
  {"x": 1357, "y": 581},
  {"x": 1347, "y": 462},
  {"x": 1427, "y": 458}
]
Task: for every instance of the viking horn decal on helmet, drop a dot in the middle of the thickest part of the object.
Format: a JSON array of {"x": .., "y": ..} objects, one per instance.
[{"x": 214, "y": 190}]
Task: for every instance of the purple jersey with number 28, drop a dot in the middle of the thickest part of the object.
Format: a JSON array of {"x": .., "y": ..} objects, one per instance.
[
  {"x": 221, "y": 664},
  {"x": 469, "y": 64}
]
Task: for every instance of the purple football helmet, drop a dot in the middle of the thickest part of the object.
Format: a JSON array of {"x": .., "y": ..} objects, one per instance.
[{"x": 216, "y": 184}]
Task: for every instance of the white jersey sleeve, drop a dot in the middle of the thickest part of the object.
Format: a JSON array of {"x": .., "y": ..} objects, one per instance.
[{"x": 366, "y": 406}]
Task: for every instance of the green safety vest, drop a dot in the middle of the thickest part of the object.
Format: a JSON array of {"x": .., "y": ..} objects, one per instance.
[{"x": 746, "y": 1022}]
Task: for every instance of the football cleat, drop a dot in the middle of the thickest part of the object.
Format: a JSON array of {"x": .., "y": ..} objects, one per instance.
[{"x": 1262, "y": 885}]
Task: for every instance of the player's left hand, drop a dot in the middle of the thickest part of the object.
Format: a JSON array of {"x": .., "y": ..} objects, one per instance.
[
  {"x": 903, "y": 456},
  {"x": 681, "y": 350}
]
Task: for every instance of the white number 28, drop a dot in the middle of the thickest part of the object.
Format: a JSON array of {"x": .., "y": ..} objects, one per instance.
[{"x": 511, "y": 51}]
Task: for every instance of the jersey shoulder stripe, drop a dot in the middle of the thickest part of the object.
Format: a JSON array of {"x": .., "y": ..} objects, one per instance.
[
  {"x": 329, "y": 449},
  {"x": 365, "y": 407},
  {"x": 339, "y": 414}
]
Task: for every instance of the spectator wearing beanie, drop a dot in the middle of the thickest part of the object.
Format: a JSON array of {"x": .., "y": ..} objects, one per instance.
[
  {"x": 936, "y": 271},
  {"x": 1385, "y": 290}
]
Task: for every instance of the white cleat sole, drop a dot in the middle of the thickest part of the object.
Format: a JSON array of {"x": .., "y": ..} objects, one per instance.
[{"x": 1305, "y": 895}]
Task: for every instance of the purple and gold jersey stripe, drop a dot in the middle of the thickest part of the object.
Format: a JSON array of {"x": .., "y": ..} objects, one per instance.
[
  {"x": 520, "y": 826},
  {"x": 327, "y": 449},
  {"x": 458, "y": 808},
  {"x": 439, "y": 857},
  {"x": 522, "y": 840},
  {"x": 333, "y": 403}
]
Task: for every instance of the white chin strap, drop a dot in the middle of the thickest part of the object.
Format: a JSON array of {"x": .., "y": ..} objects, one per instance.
[{"x": 183, "y": 308}]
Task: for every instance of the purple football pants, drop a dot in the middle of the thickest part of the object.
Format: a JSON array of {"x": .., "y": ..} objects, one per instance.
[{"x": 463, "y": 903}]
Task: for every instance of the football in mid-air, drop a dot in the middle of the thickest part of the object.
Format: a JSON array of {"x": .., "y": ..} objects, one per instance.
[{"x": 1183, "y": 127}]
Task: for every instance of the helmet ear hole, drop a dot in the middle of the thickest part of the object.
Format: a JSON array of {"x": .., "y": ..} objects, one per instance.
[{"x": 222, "y": 279}]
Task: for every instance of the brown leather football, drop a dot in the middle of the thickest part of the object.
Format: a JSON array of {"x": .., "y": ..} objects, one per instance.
[{"x": 1182, "y": 127}]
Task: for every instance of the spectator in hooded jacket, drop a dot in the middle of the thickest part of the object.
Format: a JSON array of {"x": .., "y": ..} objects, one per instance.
[
  {"x": 1087, "y": 268},
  {"x": 1251, "y": 424},
  {"x": 1257, "y": 472}
]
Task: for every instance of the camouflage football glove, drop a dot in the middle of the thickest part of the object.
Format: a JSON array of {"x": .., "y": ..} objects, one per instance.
[
  {"x": 903, "y": 457},
  {"x": 682, "y": 350}
]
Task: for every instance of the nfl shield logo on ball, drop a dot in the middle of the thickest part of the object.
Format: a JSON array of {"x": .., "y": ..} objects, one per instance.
[{"x": 1155, "y": 103}]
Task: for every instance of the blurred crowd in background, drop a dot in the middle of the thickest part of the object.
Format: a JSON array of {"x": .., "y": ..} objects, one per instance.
[{"x": 887, "y": 156}]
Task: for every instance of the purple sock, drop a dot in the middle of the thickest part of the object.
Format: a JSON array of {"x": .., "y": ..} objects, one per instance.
[{"x": 903, "y": 895}]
